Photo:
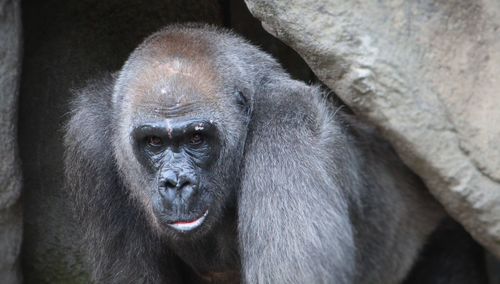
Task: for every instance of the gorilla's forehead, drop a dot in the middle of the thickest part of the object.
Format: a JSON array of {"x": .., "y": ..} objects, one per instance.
[
  {"x": 174, "y": 87},
  {"x": 173, "y": 82},
  {"x": 173, "y": 74}
]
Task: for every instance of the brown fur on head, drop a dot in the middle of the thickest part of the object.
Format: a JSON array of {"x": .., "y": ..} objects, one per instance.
[{"x": 168, "y": 64}]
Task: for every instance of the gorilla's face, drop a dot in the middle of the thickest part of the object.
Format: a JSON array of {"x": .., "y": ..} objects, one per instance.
[
  {"x": 179, "y": 155},
  {"x": 186, "y": 134}
]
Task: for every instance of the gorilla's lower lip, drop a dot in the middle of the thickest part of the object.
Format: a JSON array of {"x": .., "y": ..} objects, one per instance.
[{"x": 188, "y": 226}]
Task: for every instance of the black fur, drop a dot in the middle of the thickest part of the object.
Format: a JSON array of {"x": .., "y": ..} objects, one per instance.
[
  {"x": 320, "y": 198},
  {"x": 450, "y": 256}
]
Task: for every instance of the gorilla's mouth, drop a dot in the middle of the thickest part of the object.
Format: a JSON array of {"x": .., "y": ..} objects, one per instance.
[{"x": 189, "y": 225}]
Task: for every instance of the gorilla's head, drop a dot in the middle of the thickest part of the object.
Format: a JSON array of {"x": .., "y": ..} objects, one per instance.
[{"x": 182, "y": 115}]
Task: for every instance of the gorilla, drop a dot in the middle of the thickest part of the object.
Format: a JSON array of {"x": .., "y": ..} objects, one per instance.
[{"x": 202, "y": 161}]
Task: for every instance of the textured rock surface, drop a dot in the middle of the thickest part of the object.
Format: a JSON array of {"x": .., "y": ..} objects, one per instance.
[
  {"x": 66, "y": 43},
  {"x": 10, "y": 174},
  {"x": 426, "y": 73}
]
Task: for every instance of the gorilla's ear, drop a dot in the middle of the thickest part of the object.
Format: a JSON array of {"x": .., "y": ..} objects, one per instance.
[
  {"x": 242, "y": 101},
  {"x": 289, "y": 203}
]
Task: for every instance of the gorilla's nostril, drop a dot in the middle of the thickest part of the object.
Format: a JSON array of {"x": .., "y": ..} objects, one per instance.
[
  {"x": 170, "y": 183},
  {"x": 182, "y": 183},
  {"x": 171, "y": 180}
]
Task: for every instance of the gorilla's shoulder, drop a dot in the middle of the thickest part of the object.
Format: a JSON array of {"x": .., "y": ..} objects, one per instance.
[{"x": 90, "y": 118}]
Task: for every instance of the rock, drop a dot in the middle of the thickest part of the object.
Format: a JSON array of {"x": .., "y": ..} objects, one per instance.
[
  {"x": 426, "y": 74},
  {"x": 10, "y": 174}
]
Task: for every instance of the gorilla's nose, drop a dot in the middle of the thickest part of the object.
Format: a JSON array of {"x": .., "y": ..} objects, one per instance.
[
  {"x": 178, "y": 182},
  {"x": 176, "y": 185}
]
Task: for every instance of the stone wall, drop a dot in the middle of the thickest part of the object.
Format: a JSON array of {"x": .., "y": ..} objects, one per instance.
[{"x": 10, "y": 174}]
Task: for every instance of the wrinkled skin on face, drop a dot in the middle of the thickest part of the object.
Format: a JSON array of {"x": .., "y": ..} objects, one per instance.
[{"x": 179, "y": 155}]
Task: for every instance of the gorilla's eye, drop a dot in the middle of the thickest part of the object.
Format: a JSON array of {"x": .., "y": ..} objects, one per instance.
[
  {"x": 154, "y": 141},
  {"x": 196, "y": 139}
]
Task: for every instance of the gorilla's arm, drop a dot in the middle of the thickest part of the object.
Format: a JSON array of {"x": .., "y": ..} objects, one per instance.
[
  {"x": 293, "y": 216},
  {"x": 122, "y": 249}
]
